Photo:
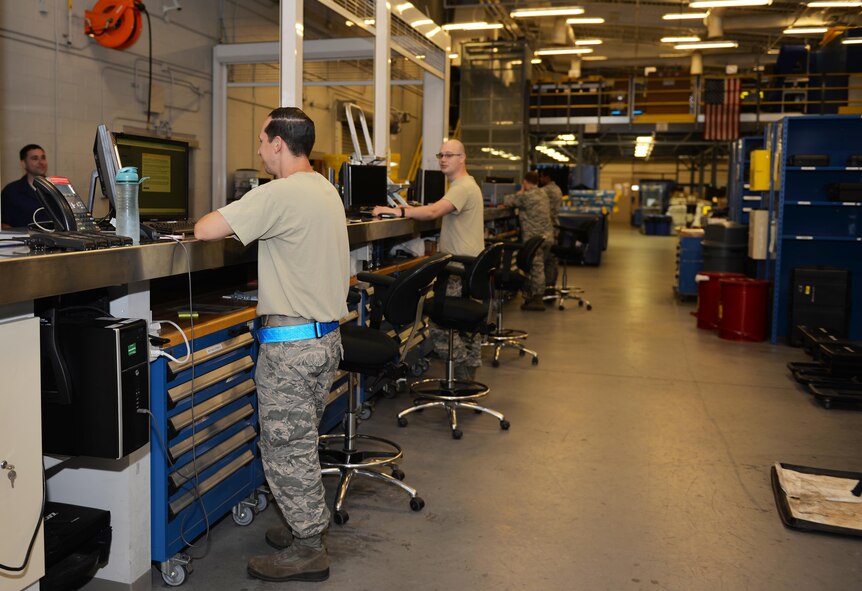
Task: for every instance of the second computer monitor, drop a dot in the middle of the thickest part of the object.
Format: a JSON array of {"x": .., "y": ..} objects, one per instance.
[
  {"x": 364, "y": 185},
  {"x": 165, "y": 193},
  {"x": 430, "y": 186}
]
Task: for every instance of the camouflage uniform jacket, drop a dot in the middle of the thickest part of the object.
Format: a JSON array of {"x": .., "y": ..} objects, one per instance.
[
  {"x": 555, "y": 201},
  {"x": 533, "y": 213}
]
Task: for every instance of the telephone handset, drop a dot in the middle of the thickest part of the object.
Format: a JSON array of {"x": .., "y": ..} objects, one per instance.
[{"x": 63, "y": 205}]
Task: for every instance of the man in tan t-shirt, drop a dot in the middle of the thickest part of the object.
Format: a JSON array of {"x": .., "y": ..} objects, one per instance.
[
  {"x": 303, "y": 277},
  {"x": 461, "y": 233}
]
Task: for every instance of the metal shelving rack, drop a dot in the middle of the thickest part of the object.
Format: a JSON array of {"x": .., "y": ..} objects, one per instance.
[
  {"x": 810, "y": 228},
  {"x": 742, "y": 199}
]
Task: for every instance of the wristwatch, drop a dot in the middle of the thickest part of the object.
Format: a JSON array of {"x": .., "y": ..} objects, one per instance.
[{"x": 403, "y": 212}]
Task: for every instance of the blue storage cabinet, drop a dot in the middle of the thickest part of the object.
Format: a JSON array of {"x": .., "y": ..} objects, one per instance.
[
  {"x": 812, "y": 229},
  {"x": 689, "y": 262},
  {"x": 204, "y": 457}
]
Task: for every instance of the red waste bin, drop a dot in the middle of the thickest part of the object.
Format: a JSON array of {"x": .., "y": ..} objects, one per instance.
[
  {"x": 709, "y": 297},
  {"x": 743, "y": 309}
]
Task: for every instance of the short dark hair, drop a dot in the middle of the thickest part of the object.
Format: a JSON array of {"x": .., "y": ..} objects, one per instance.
[
  {"x": 532, "y": 178},
  {"x": 26, "y": 149},
  {"x": 294, "y": 127},
  {"x": 544, "y": 174}
]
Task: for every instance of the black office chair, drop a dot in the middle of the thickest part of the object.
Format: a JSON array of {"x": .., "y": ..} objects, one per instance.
[
  {"x": 510, "y": 280},
  {"x": 468, "y": 313},
  {"x": 569, "y": 248},
  {"x": 373, "y": 352}
]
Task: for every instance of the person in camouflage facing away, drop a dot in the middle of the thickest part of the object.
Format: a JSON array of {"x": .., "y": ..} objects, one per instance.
[
  {"x": 535, "y": 218},
  {"x": 303, "y": 277},
  {"x": 555, "y": 202}
]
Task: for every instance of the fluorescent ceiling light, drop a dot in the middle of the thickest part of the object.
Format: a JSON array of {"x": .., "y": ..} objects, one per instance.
[
  {"x": 595, "y": 58},
  {"x": 724, "y": 3},
  {"x": 453, "y": 56},
  {"x": 536, "y": 60},
  {"x": 531, "y": 12},
  {"x": 369, "y": 21},
  {"x": 804, "y": 30},
  {"x": 563, "y": 51},
  {"x": 774, "y": 51},
  {"x": 433, "y": 32},
  {"x": 681, "y": 16},
  {"x": 835, "y": 4},
  {"x": 852, "y": 41},
  {"x": 588, "y": 41},
  {"x": 402, "y": 7},
  {"x": 690, "y": 39},
  {"x": 421, "y": 21},
  {"x": 585, "y": 21},
  {"x": 644, "y": 139},
  {"x": 708, "y": 45},
  {"x": 349, "y": 23},
  {"x": 479, "y": 26}
]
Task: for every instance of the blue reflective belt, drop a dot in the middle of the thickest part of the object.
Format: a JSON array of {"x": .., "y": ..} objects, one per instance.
[{"x": 299, "y": 332}]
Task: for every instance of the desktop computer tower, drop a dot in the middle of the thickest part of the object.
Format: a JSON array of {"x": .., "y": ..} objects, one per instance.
[{"x": 105, "y": 362}]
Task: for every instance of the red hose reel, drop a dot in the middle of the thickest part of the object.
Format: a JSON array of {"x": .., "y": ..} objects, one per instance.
[{"x": 114, "y": 23}]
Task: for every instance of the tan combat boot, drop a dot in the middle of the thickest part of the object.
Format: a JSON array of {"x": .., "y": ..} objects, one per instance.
[{"x": 305, "y": 559}]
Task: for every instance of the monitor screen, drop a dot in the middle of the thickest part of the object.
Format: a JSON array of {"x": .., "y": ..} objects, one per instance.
[
  {"x": 107, "y": 164},
  {"x": 430, "y": 186},
  {"x": 364, "y": 186},
  {"x": 165, "y": 194}
]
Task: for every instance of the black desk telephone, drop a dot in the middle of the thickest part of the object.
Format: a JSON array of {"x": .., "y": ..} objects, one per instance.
[{"x": 63, "y": 205}]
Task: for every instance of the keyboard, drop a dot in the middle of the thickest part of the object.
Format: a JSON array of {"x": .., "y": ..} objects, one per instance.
[
  {"x": 363, "y": 213},
  {"x": 172, "y": 226}
]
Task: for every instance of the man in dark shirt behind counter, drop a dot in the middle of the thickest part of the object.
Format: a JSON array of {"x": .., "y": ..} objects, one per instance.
[
  {"x": 18, "y": 202},
  {"x": 461, "y": 233},
  {"x": 303, "y": 278}
]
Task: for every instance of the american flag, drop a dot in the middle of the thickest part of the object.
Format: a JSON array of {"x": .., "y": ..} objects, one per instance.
[{"x": 721, "y": 109}]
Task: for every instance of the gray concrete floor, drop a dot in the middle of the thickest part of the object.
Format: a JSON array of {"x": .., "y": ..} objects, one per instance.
[{"x": 638, "y": 458}]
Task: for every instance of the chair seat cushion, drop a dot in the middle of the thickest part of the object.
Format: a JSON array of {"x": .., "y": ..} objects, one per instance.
[
  {"x": 458, "y": 313},
  {"x": 366, "y": 350},
  {"x": 510, "y": 280}
]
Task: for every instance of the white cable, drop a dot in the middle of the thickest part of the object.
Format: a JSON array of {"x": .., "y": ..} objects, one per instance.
[
  {"x": 37, "y": 224},
  {"x": 183, "y": 334}
]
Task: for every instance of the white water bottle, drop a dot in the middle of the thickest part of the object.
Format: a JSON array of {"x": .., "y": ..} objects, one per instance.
[{"x": 128, "y": 217}]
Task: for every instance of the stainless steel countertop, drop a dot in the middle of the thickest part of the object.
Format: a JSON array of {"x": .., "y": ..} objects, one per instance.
[{"x": 27, "y": 277}]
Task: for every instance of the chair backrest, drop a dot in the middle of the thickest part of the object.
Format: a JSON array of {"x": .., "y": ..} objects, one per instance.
[
  {"x": 479, "y": 272},
  {"x": 527, "y": 253},
  {"x": 402, "y": 297}
]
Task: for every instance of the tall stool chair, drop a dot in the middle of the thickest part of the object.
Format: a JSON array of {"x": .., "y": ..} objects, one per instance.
[
  {"x": 569, "y": 248},
  {"x": 469, "y": 313},
  {"x": 510, "y": 280},
  {"x": 372, "y": 352}
]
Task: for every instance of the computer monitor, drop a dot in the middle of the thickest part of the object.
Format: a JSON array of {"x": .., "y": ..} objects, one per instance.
[
  {"x": 165, "y": 194},
  {"x": 430, "y": 186},
  {"x": 364, "y": 185},
  {"x": 107, "y": 165}
]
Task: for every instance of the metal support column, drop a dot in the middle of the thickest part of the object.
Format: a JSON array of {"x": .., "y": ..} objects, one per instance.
[
  {"x": 382, "y": 66},
  {"x": 290, "y": 53}
]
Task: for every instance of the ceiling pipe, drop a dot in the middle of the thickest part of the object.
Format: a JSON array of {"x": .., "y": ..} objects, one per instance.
[{"x": 769, "y": 21}]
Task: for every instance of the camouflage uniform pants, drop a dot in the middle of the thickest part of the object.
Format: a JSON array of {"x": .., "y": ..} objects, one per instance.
[
  {"x": 536, "y": 286},
  {"x": 466, "y": 349},
  {"x": 293, "y": 381},
  {"x": 551, "y": 264}
]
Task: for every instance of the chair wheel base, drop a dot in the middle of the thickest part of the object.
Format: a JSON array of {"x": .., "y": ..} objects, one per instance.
[
  {"x": 416, "y": 503},
  {"x": 340, "y": 517},
  {"x": 504, "y": 425},
  {"x": 457, "y": 434}
]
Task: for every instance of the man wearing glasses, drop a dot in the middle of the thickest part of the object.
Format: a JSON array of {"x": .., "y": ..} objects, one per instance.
[{"x": 461, "y": 233}]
